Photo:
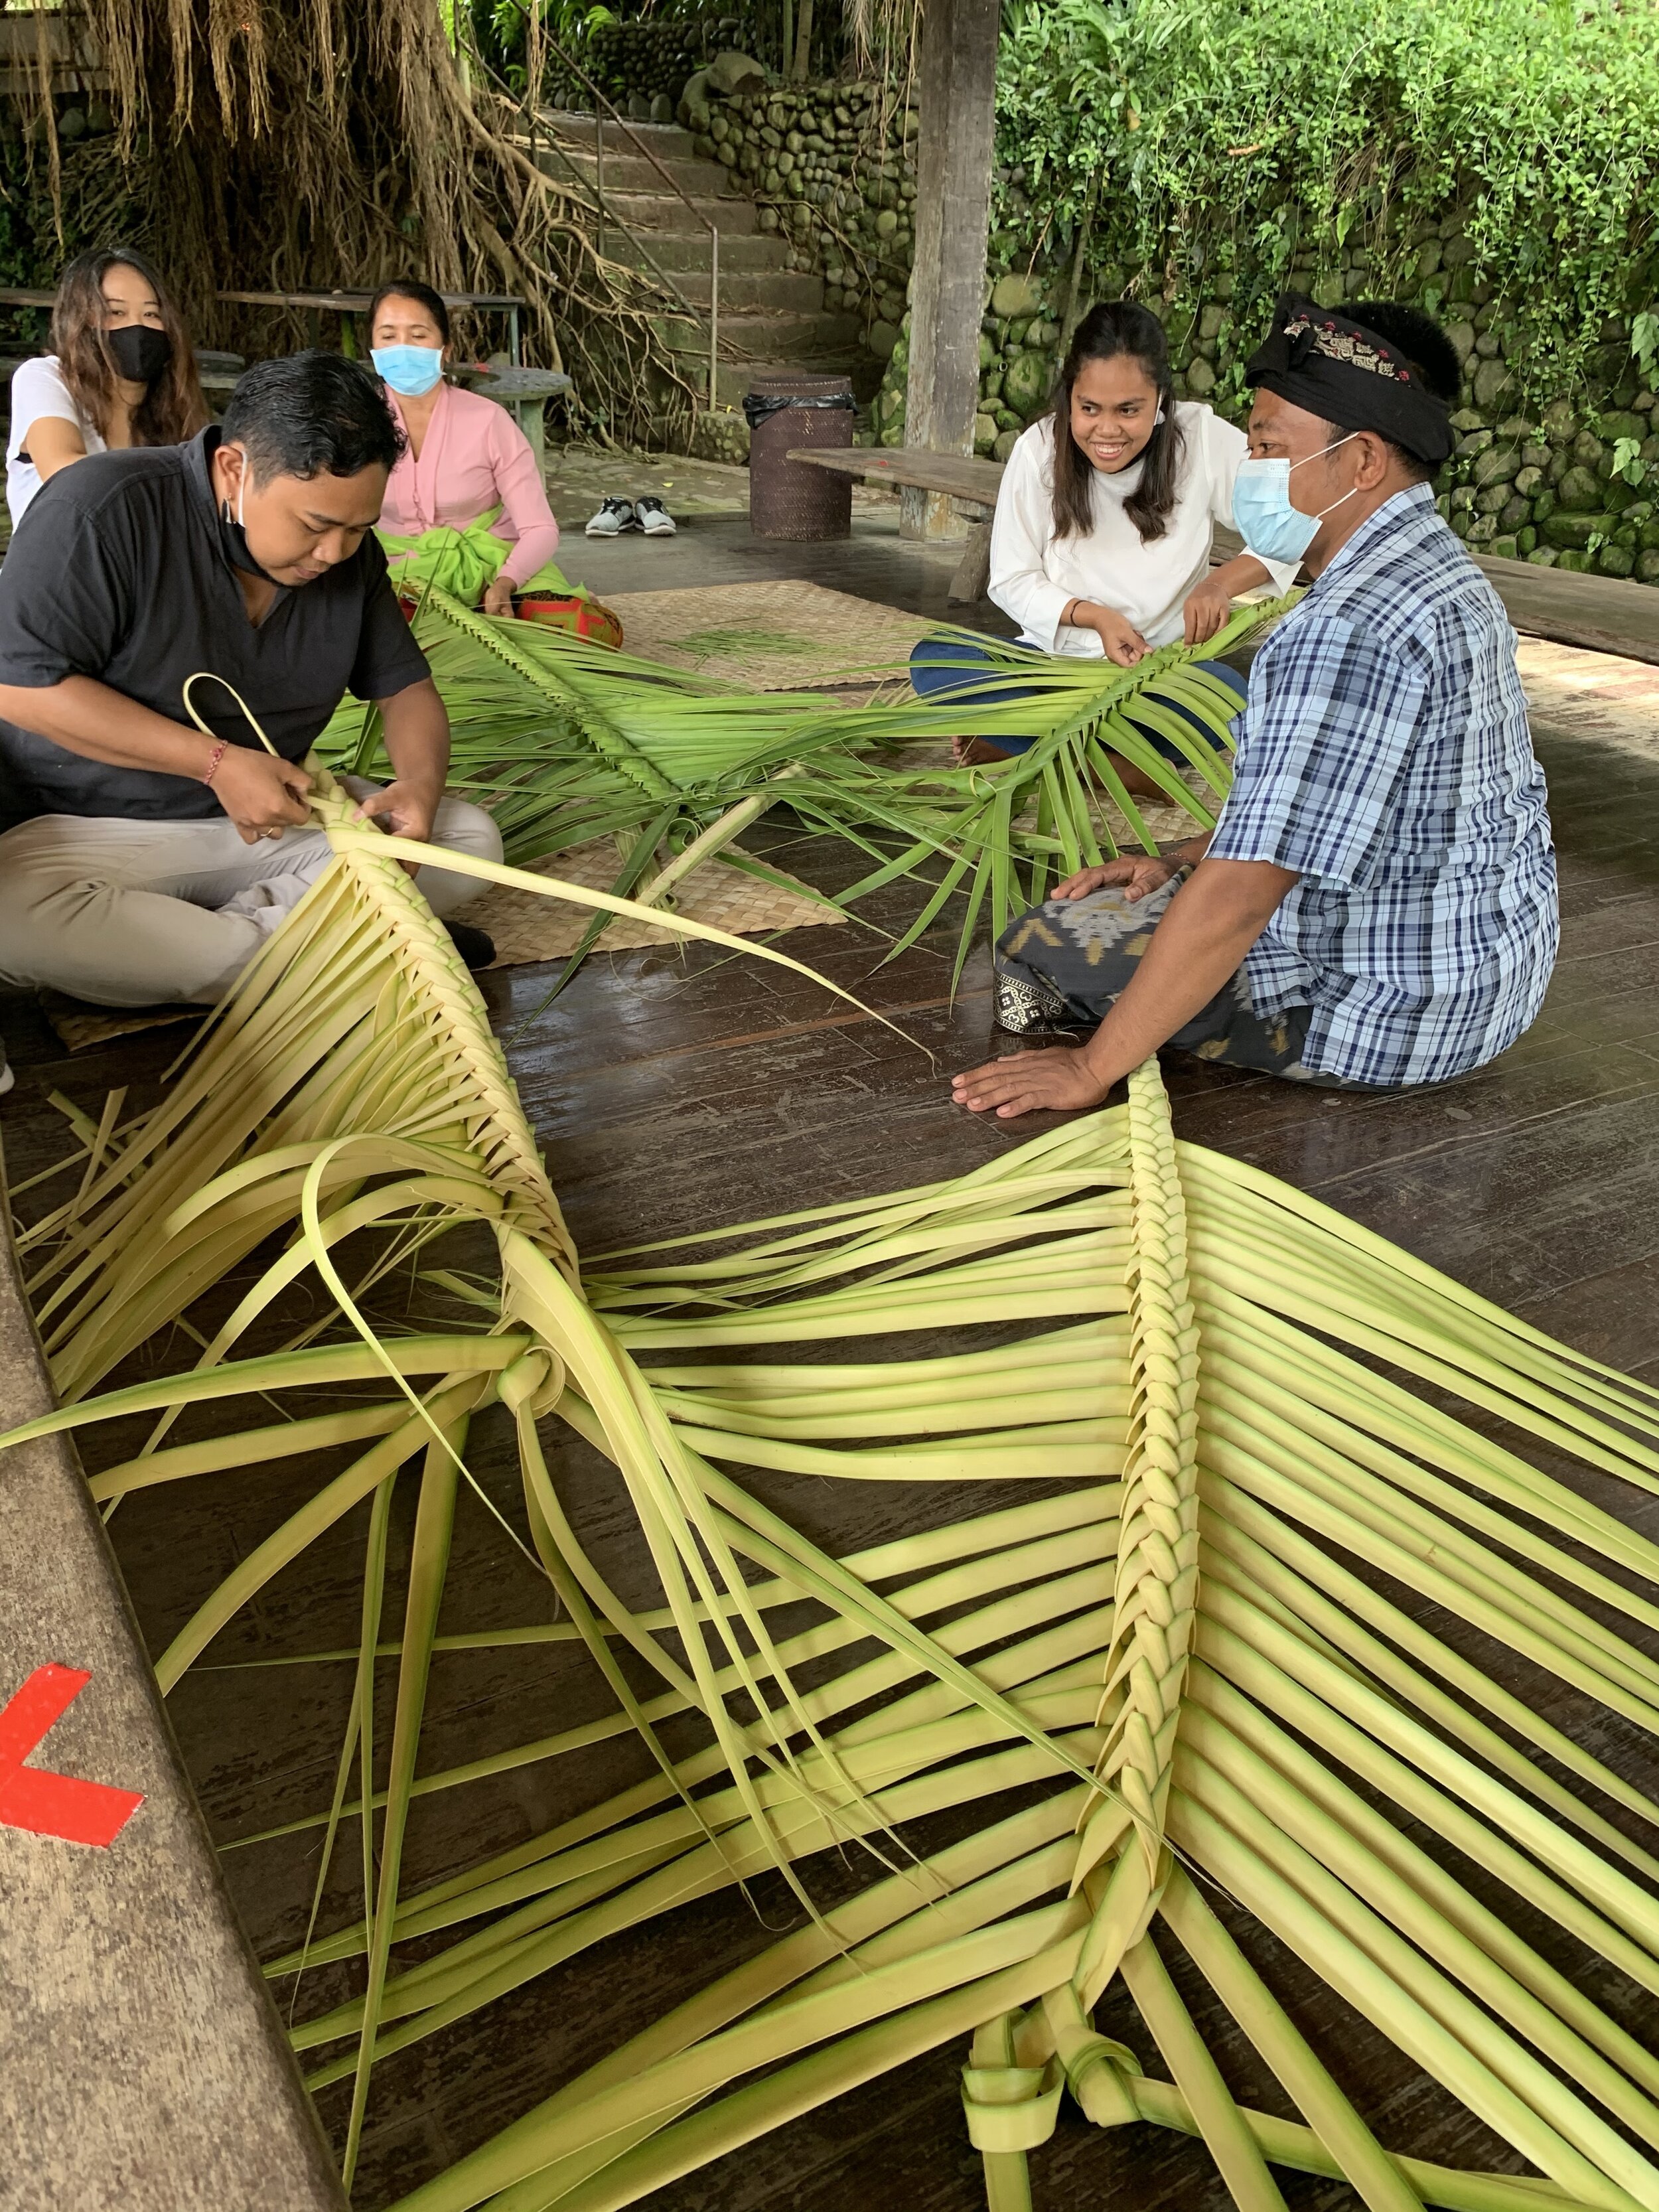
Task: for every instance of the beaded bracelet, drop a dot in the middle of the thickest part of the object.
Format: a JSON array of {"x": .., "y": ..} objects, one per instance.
[{"x": 219, "y": 752}]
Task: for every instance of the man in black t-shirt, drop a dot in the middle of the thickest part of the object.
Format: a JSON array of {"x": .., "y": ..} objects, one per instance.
[{"x": 140, "y": 860}]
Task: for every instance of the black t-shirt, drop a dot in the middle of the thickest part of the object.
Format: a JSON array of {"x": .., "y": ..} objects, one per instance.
[{"x": 119, "y": 571}]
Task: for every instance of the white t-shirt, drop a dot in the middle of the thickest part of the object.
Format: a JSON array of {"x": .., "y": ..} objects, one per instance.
[
  {"x": 1034, "y": 574},
  {"x": 37, "y": 390}
]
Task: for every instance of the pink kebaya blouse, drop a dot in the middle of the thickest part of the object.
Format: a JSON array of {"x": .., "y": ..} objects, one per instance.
[{"x": 474, "y": 457}]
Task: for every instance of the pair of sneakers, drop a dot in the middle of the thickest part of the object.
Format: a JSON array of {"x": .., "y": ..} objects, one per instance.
[{"x": 616, "y": 515}]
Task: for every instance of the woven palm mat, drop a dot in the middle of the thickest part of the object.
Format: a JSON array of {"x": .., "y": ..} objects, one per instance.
[
  {"x": 527, "y": 928},
  {"x": 772, "y": 637},
  {"x": 80, "y": 1025}
]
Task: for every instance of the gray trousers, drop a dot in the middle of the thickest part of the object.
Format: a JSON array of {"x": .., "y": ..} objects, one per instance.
[{"x": 137, "y": 914}]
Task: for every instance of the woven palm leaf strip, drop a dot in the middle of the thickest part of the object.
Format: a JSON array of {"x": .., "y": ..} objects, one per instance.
[{"x": 1193, "y": 1638}]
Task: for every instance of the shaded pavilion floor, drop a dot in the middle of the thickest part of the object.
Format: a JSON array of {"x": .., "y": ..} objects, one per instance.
[{"x": 674, "y": 1092}]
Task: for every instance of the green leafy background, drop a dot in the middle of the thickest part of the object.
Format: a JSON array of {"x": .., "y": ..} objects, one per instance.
[
  {"x": 1249, "y": 141},
  {"x": 1494, "y": 160}
]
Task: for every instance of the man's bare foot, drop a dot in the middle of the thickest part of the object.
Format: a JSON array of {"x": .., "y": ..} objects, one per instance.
[{"x": 977, "y": 753}]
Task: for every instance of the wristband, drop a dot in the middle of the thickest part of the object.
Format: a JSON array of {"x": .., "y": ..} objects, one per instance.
[{"x": 214, "y": 757}]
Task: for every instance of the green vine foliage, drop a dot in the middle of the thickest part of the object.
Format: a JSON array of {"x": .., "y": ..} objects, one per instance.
[{"x": 1233, "y": 143}]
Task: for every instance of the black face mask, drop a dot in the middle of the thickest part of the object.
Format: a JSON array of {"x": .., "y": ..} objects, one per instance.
[
  {"x": 141, "y": 353},
  {"x": 235, "y": 540}
]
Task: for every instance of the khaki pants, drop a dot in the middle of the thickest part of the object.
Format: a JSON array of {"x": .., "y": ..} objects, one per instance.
[{"x": 134, "y": 914}]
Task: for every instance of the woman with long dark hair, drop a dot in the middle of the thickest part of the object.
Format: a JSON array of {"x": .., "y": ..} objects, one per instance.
[
  {"x": 1106, "y": 517},
  {"x": 121, "y": 372}
]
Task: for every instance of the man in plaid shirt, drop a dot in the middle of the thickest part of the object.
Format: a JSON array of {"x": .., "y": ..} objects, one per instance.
[{"x": 1376, "y": 905}]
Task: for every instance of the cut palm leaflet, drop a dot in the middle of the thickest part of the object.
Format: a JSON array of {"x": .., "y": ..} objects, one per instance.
[
  {"x": 565, "y": 741},
  {"x": 1178, "y": 1690}
]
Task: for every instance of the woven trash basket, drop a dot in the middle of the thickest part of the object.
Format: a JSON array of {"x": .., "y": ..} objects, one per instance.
[{"x": 789, "y": 499}]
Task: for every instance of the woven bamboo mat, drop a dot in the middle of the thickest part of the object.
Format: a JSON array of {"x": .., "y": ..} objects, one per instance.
[
  {"x": 527, "y": 928},
  {"x": 772, "y": 637}
]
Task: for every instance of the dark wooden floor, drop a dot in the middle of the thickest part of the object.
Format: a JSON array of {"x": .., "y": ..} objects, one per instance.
[{"x": 674, "y": 1092}]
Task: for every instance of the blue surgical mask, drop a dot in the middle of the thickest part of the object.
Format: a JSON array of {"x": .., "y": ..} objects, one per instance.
[
  {"x": 412, "y": 370},
  {"x": 1271, "y": 528}
]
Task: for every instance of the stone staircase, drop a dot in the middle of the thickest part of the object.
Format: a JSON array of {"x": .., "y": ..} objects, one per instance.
[{"x": 773, "y": 321}]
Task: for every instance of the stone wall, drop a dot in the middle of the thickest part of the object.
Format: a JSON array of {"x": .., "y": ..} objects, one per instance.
[
  {"x": 642, "y": 65},
  {"x": 1019, "y": 356},
  {"x": 833, "y": 168},
  {"x": 1564, "y": 482},
  {"x": 1556, "y": 481},
  {"x": 1561, "y": 482},
  {"x": 1557, "y": 491}
]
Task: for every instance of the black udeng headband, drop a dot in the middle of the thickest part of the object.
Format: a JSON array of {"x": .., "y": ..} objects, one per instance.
[{"x": 1348, "y": 375}]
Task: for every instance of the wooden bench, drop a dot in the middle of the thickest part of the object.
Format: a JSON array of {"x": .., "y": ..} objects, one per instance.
[
  {"x": 972, "y": 484},
  {"x": 221, "y": 373},
  {"x": 524, "y": 392},
  {"x": 218, "y": 371},
  {"x": 351, "y": 304},
  {"x": 1601, "y": 613}
]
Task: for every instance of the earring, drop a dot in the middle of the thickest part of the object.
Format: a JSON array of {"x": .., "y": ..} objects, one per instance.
[{"x": 224, "y": 510}]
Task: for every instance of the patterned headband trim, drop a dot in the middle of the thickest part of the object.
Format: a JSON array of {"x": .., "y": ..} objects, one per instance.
[
  {"x": 1336, "y": 343},
  {"x": 1349, "y": 376}
]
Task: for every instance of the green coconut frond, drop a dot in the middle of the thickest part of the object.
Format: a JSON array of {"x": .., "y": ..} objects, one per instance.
[{"x": 564, "y": 741}]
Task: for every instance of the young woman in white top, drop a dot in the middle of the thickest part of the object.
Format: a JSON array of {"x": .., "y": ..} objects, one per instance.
[
  {"x": 1105, "y": 519},
  {"x": 121, "y": 372}
]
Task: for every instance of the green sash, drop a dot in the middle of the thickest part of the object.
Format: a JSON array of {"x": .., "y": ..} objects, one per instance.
[{"x": 459, "y": 562}]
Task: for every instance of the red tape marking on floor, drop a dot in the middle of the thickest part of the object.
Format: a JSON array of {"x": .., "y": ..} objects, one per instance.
[{"x": 54, "y": 1804}]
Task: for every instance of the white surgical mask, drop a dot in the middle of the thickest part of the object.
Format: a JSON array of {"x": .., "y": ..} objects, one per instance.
[{"x": 233, "y": 534}]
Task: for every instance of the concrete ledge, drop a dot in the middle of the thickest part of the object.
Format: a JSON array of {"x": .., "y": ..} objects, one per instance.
[{"x": 142, "y": 2065}]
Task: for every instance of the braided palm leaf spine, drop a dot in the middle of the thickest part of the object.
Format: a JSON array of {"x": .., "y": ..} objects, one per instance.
[{"x": 1156, "y": 1578}]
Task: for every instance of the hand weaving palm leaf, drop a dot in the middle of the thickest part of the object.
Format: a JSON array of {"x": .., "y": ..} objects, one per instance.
[
  {"x": 1192, "y": 1639},
  {"x": 565, "y": 741}
]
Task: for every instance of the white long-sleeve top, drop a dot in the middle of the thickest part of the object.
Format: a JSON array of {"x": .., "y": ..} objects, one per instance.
[{"x": 1034, "y": 574}]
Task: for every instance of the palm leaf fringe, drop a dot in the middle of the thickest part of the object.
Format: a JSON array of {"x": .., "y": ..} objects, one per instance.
[
  {"x": 565, "y": 741},
  {"x": 1235, "y": 1483}
]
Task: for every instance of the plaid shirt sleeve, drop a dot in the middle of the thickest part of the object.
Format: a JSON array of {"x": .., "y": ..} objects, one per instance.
[{"x": 1322, "y": 742}]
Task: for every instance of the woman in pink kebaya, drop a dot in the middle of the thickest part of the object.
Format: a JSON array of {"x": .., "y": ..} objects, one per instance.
[{"x": 465, "y": 507}]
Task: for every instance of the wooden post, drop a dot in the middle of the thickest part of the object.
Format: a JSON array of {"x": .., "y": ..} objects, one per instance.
[{"x": 957, "y": 102}]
